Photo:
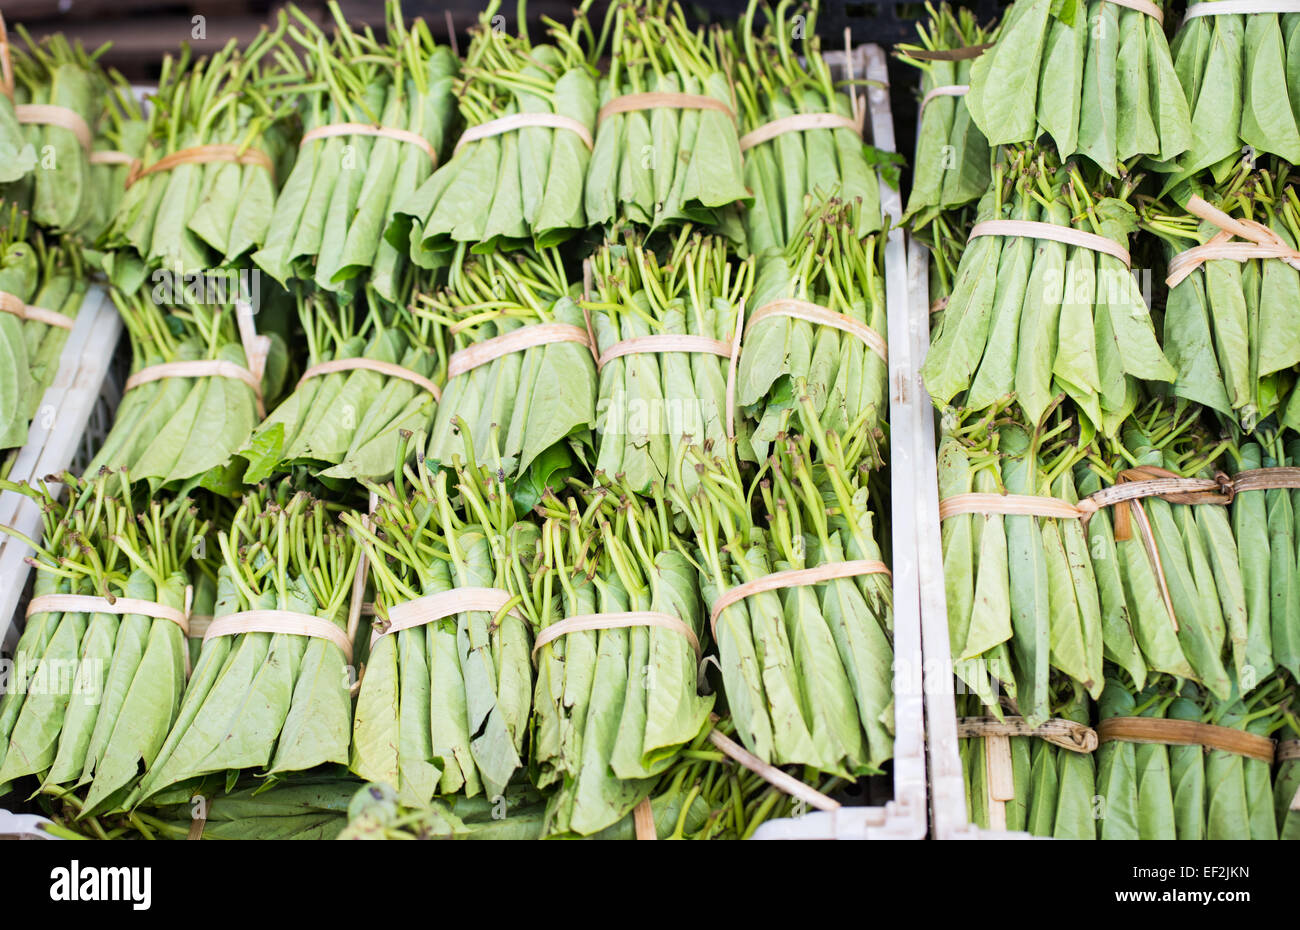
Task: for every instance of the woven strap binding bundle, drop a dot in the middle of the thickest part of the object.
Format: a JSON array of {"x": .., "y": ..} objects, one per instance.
[
  {"x": 1067, "y": 734},
  {"x": 434, "y": 607},
  {"x": 11, "y": 304},
  {"x": 1170, "y": 732},
  {"x": 201, "y": 154},
  {"x": 517, "y": 121},
  {"x": 999, "y": 772},
  {"x": 793, "y": 578},
  {"x": 517, "y": 340},
  {"x": 629, "y": 103},
  {"x": 1255, "y": 240},
  {"x": 1131, "y": 486},
  {"x": 616, "y": 621}
]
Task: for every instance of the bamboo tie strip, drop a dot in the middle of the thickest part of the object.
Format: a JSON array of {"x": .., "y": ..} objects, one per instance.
[
  {"x": 109, "y": 157},
  {"x": 434, "y": 607},
  {"x": 280, "y": 621},
  {"x": 1263, "y": 479},
  {"x": 1260, "y": 241},
  {"x": 1018, "y": 505},
  {"x": 1142, "y": 6},
  {"x": 369, "y": 129},
  {"x": 799, "y": 122},
  {"x": 793, "y": 578},
  {"x": 664, "y": 342},
  {"x": 999, "y": 770},
  {"x": 526, "y": 337},
  {"x": 1058, "y": 731},
  {"x": 517, "y": 121},
  {"x": 1236, "y": 7},
  {"x": 965, "y": 53},
  {"x": 49, "y": 114},
  {"x": 1170, "y": 732},
  {"x": 202, "y": 154},
  {"x": 9, "y": 303},
  {"x": 944, "y": 90},
  {"x": 643, "y": 817},
  {"x": 199, "y": 823},
  {"x": 388, "y": 369},
  {"x": 200, "y": 368},
  {"x": 1000, "y": 776},
  {"x": 630, "y": 103},
  {"x": 771, "y": 774},
  {"x": 1033, "y": 229},
  {"x": 812, "y": 313},
  {"x": 118, "y": 606},
  {"x": 616, "y": 621}
]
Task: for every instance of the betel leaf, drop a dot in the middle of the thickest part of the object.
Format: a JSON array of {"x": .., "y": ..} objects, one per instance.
[{"x": 549, "y": 471}]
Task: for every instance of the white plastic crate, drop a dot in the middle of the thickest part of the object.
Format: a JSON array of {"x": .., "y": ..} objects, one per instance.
[
  {"x": 71, "y": 423},
  {"x": 905, "y": 816},
  {"x": 949, "y": 817}
]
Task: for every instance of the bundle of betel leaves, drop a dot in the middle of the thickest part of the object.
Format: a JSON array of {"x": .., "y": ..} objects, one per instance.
[
  {"x": 1035, "y": 318},
  {"x": 1022, "y": 597},
  {"x": 344, "y": 422},
  {"x": 306, "y": 807},
  {"x": 538, "y": 393},
  {"x": 1264, "y": 523},
  {"x": 1174, "y": 584},
  {"x": 665, "y": 160},
  {"x": 806, "y": 664},
  {"x": 61, "y": 290},
  {"x": 1189, "y": 792},
  {"x": 97, "y": 690},
  {"x": 613, "y": 706},
  {"x": 701, "y": 796},
  {"x": 120, "y": 139},
  {"x": 1242, "y": 87},
  {"x": 41, "y": 290},
  {"x": 376, "y": 117},
  {"x": 444, "y": 704},
  {"x": 818, "y": 314},
  {"x": 1133, "y": 777},
  {"x": 1230, "y": 323},
  {"x": 1095, "y": 76},
  {"x": 652, "y": 403},
  {"x": 20, "y": 273},
  {"x": 511, "y": 183},
  {"x": 92, "y": 180},
  {"x": 1053, "y": 782},
  {"x": 777, "y": 88},
  {"x": 179, "y": 428},
  {"x": 48, "y": 166},
  {"x": 269, "y": 693},
  {"x": 1202, "y": 565},
  {"x": 952, "y": 164},
  {"x": 203, "y": 192}
]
